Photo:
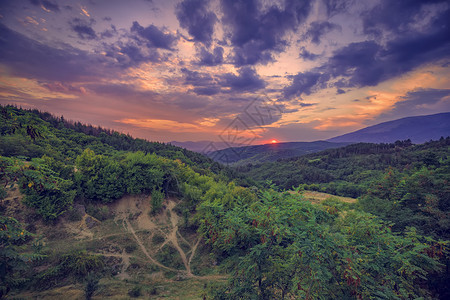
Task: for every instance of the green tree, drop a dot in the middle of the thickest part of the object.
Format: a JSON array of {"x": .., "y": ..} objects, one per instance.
[{"x": 14, "y": 259}]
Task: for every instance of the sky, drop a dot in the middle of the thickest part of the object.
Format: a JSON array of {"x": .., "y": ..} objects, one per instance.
[{"x": 234, "y": 71}]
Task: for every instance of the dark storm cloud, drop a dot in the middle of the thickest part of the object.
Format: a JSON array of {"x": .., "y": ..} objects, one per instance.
[
  {"x": 206, "y": 58},
  {"x": 369, "y": 63},
  {"x": 154, "y": 37},
  {"x": 206, "y": 91},
  {"x": 194, "y": 16},
  {"x": 46, "y": 4},
  {"x": 360, "y": 63},
  {"x": 83, "y": 28},
  {"x": 30, "y": 59},
  {"x": 109, "y": 33},
  {"x": 203, "y": 83},
  {"x": 319, "y": 29},
  {"x": 256, "y": 34},
  {"x": 397, "y": 16},
  {"x": 336, "y": 6},
  {"x": 246, "y": 80},
  {"x": 304, "y": 83},
  {"x": 129, "y": 54}
]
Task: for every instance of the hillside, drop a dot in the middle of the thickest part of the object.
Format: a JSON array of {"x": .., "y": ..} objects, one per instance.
[
  {"x": 86, "y": 212},
  {"x": 418, "y": 129},
  {"x": 348, "y": 171},
  {"x": 269, "y": 152}
]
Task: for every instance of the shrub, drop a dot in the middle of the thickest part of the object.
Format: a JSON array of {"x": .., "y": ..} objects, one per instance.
[{"x": 157, "y": 200}]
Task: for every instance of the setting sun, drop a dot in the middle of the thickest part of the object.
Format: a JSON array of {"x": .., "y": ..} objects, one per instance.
[{"x": 273, "y": 141}]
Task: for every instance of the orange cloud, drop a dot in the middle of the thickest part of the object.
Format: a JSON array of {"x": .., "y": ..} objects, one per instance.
[
  {"x": 166, "y": 125},
  {"x": 85, "y": 12}
]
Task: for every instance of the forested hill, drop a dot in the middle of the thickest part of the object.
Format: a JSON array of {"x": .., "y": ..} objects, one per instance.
[
  {"x": 348, "y": 171},
  {"x": 418, "y": 129},
  {"x": 62, "y": 139}
]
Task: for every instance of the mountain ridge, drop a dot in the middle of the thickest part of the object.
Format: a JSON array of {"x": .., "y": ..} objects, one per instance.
[{"x": 418, "y": 129}]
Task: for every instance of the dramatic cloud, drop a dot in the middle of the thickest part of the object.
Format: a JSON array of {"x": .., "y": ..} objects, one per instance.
[
  {"x": 207, "y": 58},
  {"x": 194, "y": 16},
  {"x": 154, "y": 37},
  {"x": 109, "y": 33},
  {"x": 306, "y": 55},
  {"x": 204, "y": 84},
  {"x": 403, "y": 17},
  {"x": 303, "y": 83},
  {"x": 84, "y": 29},
  {"x": 31, "y": 59},
  {"x": 247, "y": 80},
  {"x": 203, "y": 62},
  {"x": 319, "y": 29},
  {"x": 256, "y": 33}
]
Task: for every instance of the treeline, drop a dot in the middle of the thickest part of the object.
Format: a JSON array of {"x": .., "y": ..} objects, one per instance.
[
  {"x": 32, "y": 133},
  {"x": 348, "y": 171}
]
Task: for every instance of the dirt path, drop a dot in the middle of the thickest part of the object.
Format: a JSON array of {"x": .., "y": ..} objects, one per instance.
[
  {"x": 141, "y": 245},
  {"x": 133, "y": 212},
  {"x": 172, "y": 237}
]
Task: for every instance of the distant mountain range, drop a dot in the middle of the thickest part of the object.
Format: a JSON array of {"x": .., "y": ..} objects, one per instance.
[{"x": 418, "y": 129}]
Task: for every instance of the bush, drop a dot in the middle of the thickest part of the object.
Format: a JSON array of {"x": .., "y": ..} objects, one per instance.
[
  {"x": 2, "y": 193},
  {"x": 101, "y": 213},
  {"x": 130, "y": 248},
  {"x": 158, "y": 239},
  {"x": 157, "y": 200},
  {"x": 74, "y": 215}
]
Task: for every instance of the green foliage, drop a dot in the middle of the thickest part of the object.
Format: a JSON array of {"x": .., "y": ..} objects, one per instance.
[
  {"x": 282, "y": 247},
  {"x": 99, "y": 177},
  {"x": 157, "y": 200},
  {"x": 49, "y": 194},
  {"x": 350, "y": 170},
  {"x": 71, "y": 266},
  {"x": 14, "y": 261},
  {"x": 170, "y": 257},
  {"x": 80, "y": 263},
  {"x": 418, "y": 198}
]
